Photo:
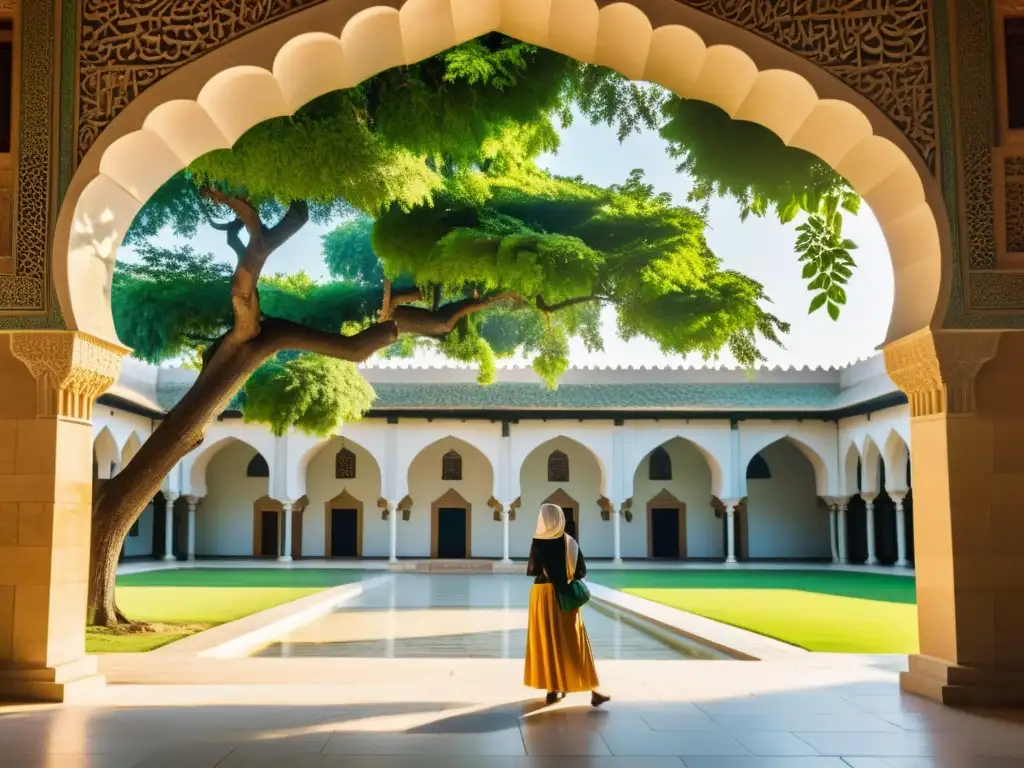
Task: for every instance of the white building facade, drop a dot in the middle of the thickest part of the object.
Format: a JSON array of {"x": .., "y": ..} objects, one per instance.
[{"x": 687, "y": 464}]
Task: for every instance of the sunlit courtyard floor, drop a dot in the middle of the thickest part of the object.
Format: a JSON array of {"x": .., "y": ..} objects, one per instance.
[{"x": 430, "y": 703}]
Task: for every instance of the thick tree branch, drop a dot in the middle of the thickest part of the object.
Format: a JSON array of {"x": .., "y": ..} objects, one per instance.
[
  {"x": 279, "y": 335},
  {"x": 543, "y": 306},
  {"x": 425, "y": 322},
  {"x": 242, "y": 208},
  {"x": 295, "y": 218}
]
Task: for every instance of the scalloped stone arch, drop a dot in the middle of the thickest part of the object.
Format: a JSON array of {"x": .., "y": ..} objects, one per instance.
[{"x": 209, "y": 103}]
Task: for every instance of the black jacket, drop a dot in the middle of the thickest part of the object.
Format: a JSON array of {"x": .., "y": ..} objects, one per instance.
[{"x": 547, "y": 562}]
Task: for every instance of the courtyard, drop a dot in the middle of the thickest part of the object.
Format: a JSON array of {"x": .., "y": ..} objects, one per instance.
[{"x": 425, "y": 669}]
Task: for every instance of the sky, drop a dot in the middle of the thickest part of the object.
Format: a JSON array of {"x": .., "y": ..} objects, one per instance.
[{"x": 759, "y": 248}]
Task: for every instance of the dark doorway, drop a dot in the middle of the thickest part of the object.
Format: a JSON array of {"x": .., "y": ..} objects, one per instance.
[
  {"x": 856, "y": 530},
  {"x": 159, "y": 526},
  {"x": 570, "y": 522},
  {"x": 451, "y": 533},
  {"x": 181, "y": 529},
  {"x": 665, "y": 533},
  {"x": 344, "y": 533},
  {"x": 268, "y": 534}
]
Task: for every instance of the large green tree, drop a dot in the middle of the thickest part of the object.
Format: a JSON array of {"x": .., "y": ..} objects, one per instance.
[{"x": 451, "y": 236}]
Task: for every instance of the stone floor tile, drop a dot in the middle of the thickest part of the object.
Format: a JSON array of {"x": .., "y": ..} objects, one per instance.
[
  {"x": 539, "y": 742},
  {"x": 457, "y": 761},
  {"x": 764, "y": 762},
  {"x": 681, "y": 743},
  {"x": 502, "y": 743},
  {"x": 866, "y": 762},
  {"x": 683, "y": 722},
  {"x": 876, "y": 745},
  {"x": 834, "y": 723},
  {"x": 773, "y": 743}
]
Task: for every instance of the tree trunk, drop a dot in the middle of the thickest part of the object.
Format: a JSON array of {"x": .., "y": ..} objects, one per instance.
[{"x": 122, "y": 499}]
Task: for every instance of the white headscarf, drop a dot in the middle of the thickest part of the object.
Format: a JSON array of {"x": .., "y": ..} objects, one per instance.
[
  {"x": 551, "y": 525},
  {"x": 550, "y": 522}
]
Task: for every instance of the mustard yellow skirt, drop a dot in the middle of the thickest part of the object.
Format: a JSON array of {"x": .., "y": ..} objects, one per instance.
[{"x": 558, "y": 655}]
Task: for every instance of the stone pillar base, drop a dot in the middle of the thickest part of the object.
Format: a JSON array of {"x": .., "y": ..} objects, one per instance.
[
  {"x": 76, "y": 682},
  {"x": 960, "y": 686}
]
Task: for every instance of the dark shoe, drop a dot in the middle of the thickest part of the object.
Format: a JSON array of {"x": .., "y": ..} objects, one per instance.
[
  {"x": 597, "y": 699},
  {"x": 554, "y": 696}
]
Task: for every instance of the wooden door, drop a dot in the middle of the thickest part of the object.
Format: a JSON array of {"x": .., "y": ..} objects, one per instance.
[{"x": 451, "y": 533}]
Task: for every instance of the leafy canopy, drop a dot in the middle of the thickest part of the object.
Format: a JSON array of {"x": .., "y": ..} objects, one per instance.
[{"x": 432, "y": 170}]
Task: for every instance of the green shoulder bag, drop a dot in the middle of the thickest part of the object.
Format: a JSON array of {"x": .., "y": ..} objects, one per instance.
[{"x": 574, "y": 594}]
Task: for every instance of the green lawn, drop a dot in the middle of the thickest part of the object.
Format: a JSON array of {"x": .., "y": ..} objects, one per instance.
[
  {"x": 833, "y": 611},
  {"x": 181, "y": 603}
]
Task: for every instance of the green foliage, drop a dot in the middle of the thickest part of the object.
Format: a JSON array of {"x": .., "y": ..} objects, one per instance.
[
  {"x": 825, "y": 253},
  {"x": 349, "y": 254},
  {"x": 543, "y": 241},
  {"x": 432, "y": 168},
  {"x": 170, "y": 302},
  {"x": 312, "y": 393},
  {"x": 761, "y": 173}
]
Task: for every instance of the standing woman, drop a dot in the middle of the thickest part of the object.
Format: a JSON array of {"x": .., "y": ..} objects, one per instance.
[{"x": 558, "y": 655}]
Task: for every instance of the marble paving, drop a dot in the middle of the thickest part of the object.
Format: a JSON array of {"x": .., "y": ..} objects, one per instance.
[{"x": 819, "y": 711}]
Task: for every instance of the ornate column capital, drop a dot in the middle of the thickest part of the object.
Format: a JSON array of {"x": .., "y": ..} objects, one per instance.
[
  {"x": 937, "y": 369},
  {"x": 71, "y": 370}
]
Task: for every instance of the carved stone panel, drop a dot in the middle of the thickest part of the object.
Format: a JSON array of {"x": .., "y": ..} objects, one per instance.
[{"x": 880, "y": 48}]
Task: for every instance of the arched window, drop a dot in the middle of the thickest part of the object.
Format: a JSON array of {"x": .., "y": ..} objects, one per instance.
[
  {"x": 257, "y": 467},
  {"x": 558, "y": 468},
  {"x": 345, "y": 465},
  {"x": 758, "y": 469},
  {"x": 661, "y": 465},
  {"x": 451, "y": 466}
]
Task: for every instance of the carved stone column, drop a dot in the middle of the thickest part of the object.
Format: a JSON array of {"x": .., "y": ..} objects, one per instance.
[
  {"x": 49, "y": 382},
  {"x": 967, "y": 440}
]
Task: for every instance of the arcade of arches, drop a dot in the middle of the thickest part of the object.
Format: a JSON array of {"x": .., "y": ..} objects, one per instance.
[{"x": 97, "y": 133}]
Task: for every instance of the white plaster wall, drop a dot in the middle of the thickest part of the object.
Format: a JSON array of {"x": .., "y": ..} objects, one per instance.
[
  {"x": 783, "y": 514},
  {"x": 322, "y": 486},
  {"x": 426, "y": 486},
  {"x": 691, "y": 484},
  {"x": 195, "y": 472},
  {"x": 141, "y": 545},
  {"x": 414, "y": 436},
  {"x": 596, "y": 535},
  {"x": 224, "y": 520}
]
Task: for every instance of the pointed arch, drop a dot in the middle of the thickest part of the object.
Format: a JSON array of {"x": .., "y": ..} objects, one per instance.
[
  {"x": 665, "y": 444},
  {"x": 896, "y": 454},
  {"x": 851, "y": 471},
  {"x": 659, "y": 465},
  {"x": 197, "y": 468},
  {"x": 822, "y": 476},
  {"x": 131, "y": 447},
  {"x": 106, "y": 456},
  {"x": 870, "y": 464},
  {"x": 449, "y": 447}
]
